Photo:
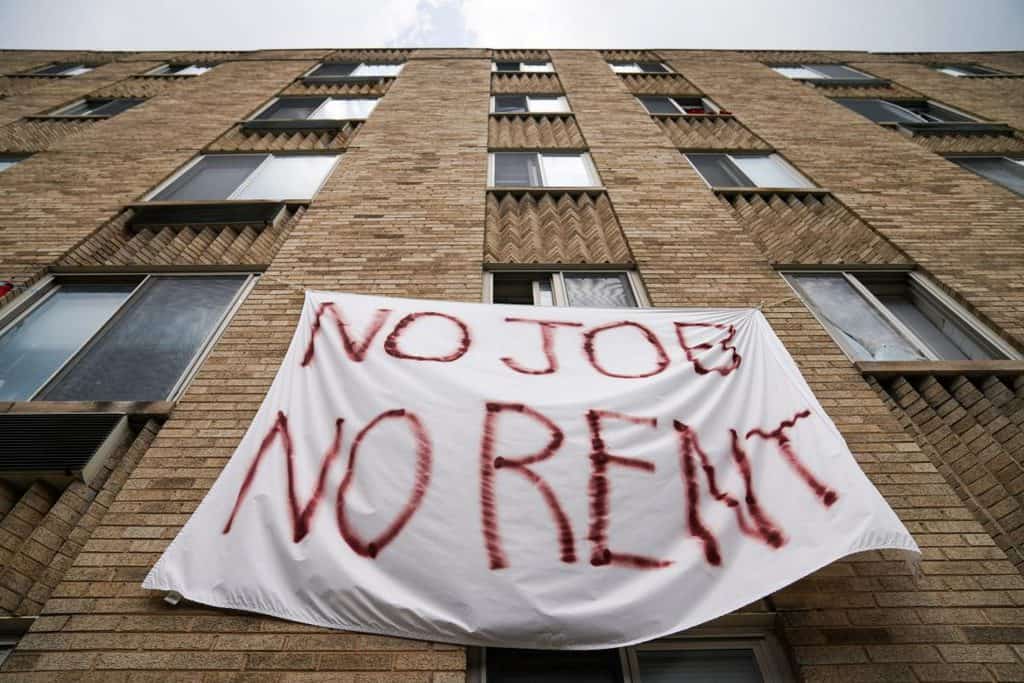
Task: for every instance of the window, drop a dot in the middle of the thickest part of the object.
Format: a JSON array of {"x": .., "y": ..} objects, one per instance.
[
  {"x": 884, "y": 111},
  {"x": 747, "y": 170},
  {"x": 353, "y": 70},
  {"x": 821, "y": 72},
  {"x": 639, "y": 68},
  {"x": 180, "y": 70},
  {"x": 91, "y": 107},
  {"x": 62, "y": 70},
  {"x": 529, "y": 169},
  {"x": 668, "y": 660},
  {"x": 678, "y": 105},
  {"x": 894, "y": 316},
  {"x": 1001, "y": 170},
  {"x": 533, "y": 104},
  {"x": 968, "y": 70},
  {"x": 522, "y": 67},
  {"x": 248, "y": 176},
  {"x": 602, "y": 289},
  {"x": 125, "y": 338},
  {"x": 334, "y": 108},
  {"x": 8, "y": 160}
]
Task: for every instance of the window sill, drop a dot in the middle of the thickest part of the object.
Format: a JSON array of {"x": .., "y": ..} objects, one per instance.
[
  {"x": 218, "y": 211},
  {"x": 731, "y": 191},
  {"x": 138, "y": 408},
  {"x": 680, "y": 115},
  {"x": 545, "y": 190},
  {"x": 946, "y": 368},
  {"x": 977, "y": 128},
  {"x": 68, "y": 117},
  {"x": 298, "y": 124},
  {"x": 845, "y": 82},
  {"x": 989, "y": 76},
  {"x": 344, "y": 79},
  {"x": 43, "y": 75},
  {"x": 531, "y": 114}
]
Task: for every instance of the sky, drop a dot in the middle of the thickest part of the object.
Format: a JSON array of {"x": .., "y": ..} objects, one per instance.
[{"x": 879, "y": 25}]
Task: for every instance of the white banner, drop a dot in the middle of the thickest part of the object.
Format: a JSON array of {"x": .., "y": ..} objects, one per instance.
[{"x": 526, "y": 476}]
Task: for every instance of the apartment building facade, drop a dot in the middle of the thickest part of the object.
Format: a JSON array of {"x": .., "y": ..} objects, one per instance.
[{"x": 162, "y": 214}]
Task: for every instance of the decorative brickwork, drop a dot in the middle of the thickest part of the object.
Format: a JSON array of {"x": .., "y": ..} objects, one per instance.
[
  {"x": 242, "y": 139},
  {"x": 534, "y": 131},
  {"x": 710, "y": 132},
  {"x": 526, "y": 84},
  {"x": 659, "y": 84},
  {"x": 38, "y": 134}
]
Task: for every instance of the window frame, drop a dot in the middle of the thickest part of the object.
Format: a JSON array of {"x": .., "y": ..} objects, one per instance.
[
  {"x": 30, "y": 300},
  {"x": 763, "y": 644},
  {"x": 165, "y": 69},
  {"x": 559, "y": 295},
  {"x": 588, "y": 165},
  {"x": 521, "y": 62},
  {"x": 324, "y": 99},
  {"x": 902, "y": 106},
  {"x": 811, "y": 184},
  {"x": 821, "y": 75},
  {"x": 311, "y": 73},
  {"x": 267, "y": 156},
  {"x": 707, "y": 103},
  {"x": 639, "y": 65},
  {"x": 958, "y": 158},
  {"x": 914, "y": 280},
  {"x": 62, "y": 111},
  {"x": 562, "y": 98}
]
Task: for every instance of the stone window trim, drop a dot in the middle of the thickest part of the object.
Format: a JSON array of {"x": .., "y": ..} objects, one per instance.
[
  {"x": 761, "y": 643},
  {"x": 25, "y": 303},
  {"x": 557, "y": 295},
  {"x": 920, "y": 285}
]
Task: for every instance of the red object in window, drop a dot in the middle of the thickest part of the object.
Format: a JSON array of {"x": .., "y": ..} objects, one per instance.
[
  {"x": 5, "y": 286},
  {"x": 723, "y": 112},
  {"x": 695, "y": 110}
]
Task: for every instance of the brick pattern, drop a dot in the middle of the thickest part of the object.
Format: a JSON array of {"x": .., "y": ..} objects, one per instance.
[
  {"x": 889, "y": 91},
  {"x": 520, "y": 55},
  {"x": 119, "y": 243},
  {"x": 387, "y": 55},
  {"x": 534, "y": 131},
  {"x": 989, "y": 143},
  {"x": 659, "y": 84},
  {"x": 144, "y": 87},
  {"x": 526, "y": 84},
  {"x": 367, "y": 88},
  {"x": 36, "y": 135},
  {"x": 241, "y": 139},
  {"x": 974, "y": 431},
  {"x": 802, "y": 228},
  {"x": 547, "y": 228},
  {"x": 710, "y": 133},
  {"x": 630, "y": 56}
]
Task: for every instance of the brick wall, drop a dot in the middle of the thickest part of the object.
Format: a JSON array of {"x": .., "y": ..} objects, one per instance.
[{"x": 405, "y": 213}]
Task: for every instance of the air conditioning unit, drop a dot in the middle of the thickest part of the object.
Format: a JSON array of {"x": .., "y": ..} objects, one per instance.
[{"x": 60, "y": 447}]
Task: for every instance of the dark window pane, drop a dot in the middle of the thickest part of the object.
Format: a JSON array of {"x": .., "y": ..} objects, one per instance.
[
  {"x": 719, "y": 171},
  {"x": 677, "y": 666},
  {"x": 56, "y": 69},
  {"x": 111, "y": 107},
  {"x": 514, "y": 104},
  {"x": 879, "y": 111},
  {"x": 291, "y": 108},
  {"x": 33, "y": 349},
  {"x": 838, "y": 71},
  {"x": 653, "y": 68},
  {"x": 546, "y": 666},
  {"x": 659, "y": 105},
  {"x": 213, "y": 177},
  {"x": 339, "y": 70},
  {"x": 1005, "y": 172},
  {"x": 935, "y": 113},
  {"x": 506, "y": 66},
  {"x": 514, "y": 169},
  {"x": 146, "y": 350},
  {"x": 512, "y": 289},
  {"x": 596, "y": 290}
]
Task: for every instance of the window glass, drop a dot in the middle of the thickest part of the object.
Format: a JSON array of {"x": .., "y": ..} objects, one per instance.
[
  {"x": 852, "y": 320},
  {"x": 510, "y": 104},
  {"x": 968, "y": 70},
  {"x": 796, "y": 72},
  {"x": 290, "y": 108},
  {"x": 936, "y": 327},
  {"x": 596, "y": 290},
  {"x": 338, "y": 70},
  {"x": 8, "y": 160},
  {"x": 1005, "y": 172},
  {"x": 626, "y": 68},
  {"x": 77, "y": 70},
  {"x": 368, "y": 70},
  {"x": 718, "y": 170},
  {"x": 288, "y": 177},
  {"x": 516, "y": 169},
  {"x": 693, "y": 105},
  {"x": 346, "y": 108},
  {"x": 542, "y": 67},
  {"x": 522, "y": 288},
  {"x": 566, "y": 170},
  {"x": 675, "y": 666},
  {"x": 144, "y": 353},
  {"x": 929, "y": 111},
  {"x": 112, "y": 107},
  {"x": 192, "y": 70},
  {"x": 212, "y": 177},
  {"x": 547, "y": 105},
  {"x": 63, "y": 70},
  {"x": 653, "y": 68},
  {"x": 506, "y": 66},
  {"x": 35, "y": 347},
  {"x": 552, "y": 666},
  {"x": 769, "y": 170},
  {"x": 838, "y": 71},
  {"x": 659, "y": 105},
  {"x": 878, "y": 111}
]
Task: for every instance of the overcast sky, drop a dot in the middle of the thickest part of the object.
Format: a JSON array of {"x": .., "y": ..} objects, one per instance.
[{"x": 881, "y": 25}]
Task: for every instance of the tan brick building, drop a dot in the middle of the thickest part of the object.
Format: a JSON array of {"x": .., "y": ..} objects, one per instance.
[{"x": 870, "y": 202}]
